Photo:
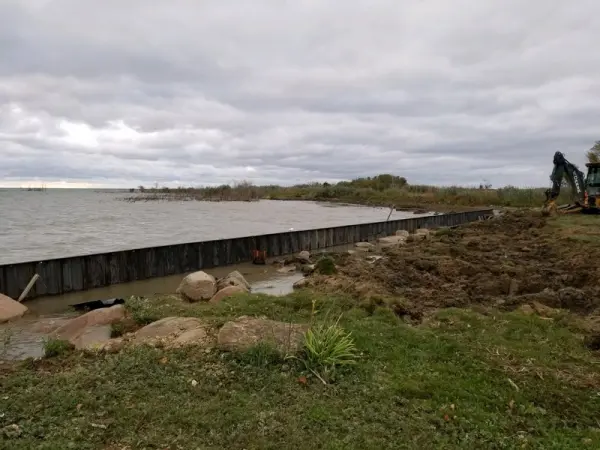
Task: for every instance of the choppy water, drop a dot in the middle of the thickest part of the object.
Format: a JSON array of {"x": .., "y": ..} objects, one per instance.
[{"x": 62, "y": 222}]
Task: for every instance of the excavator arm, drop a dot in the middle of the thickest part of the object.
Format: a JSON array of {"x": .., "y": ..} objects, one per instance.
[{"x": 563, "y": 169}]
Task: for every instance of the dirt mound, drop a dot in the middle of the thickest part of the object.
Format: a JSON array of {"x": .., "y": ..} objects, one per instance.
[{"x": 509, "y": 261}]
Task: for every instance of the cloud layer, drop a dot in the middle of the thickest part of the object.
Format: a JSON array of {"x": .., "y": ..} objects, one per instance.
[{"x": 117, "y": 93}]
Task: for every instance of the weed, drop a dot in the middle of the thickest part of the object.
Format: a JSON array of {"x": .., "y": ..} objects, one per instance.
[
  {"x": 57, "y": 347},
  {"x": 260, "y": 355},
  {"x": 326, "y": 349},
  {"x": 141, "y": 311}
]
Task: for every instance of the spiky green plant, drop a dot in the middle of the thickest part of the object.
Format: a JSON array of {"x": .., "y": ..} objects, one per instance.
[{"x": 326, "y": 348}]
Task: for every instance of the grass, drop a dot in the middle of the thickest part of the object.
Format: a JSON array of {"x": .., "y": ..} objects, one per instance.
[{"x": 461, "y": 380}]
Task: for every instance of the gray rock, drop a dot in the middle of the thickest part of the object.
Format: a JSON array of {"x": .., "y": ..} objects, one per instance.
[
  {"x": 198, "y": 286},
  {"x": 303, "y": 257},
  {"x": 234, "y": 278},
  {"x": 246, "y": 332}
]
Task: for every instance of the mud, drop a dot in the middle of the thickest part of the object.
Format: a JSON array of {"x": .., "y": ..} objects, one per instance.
[{"x": 506, "y": 262}]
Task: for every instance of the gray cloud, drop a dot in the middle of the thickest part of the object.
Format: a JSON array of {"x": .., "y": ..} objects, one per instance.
[{"x": 118, "y": 93}]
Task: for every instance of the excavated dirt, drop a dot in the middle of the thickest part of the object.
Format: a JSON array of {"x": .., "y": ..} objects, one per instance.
[{"x": 506, "y": 262}]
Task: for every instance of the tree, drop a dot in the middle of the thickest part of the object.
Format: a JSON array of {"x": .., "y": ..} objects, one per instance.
[{"x": 593, "y": 154}]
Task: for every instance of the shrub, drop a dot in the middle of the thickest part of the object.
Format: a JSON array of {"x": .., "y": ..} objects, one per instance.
[
  {"x": 325, "y": 266},
  {"x": 57, "y": 347},
  {"x": 326, "y": 349}
]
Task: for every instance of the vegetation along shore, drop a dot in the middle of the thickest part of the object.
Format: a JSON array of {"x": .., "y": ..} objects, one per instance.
[{"x": 381, "y": 190}]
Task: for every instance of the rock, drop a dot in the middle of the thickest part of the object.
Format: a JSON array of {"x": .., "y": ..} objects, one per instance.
[
  {"x": 300, "y": 284},
  {"x": 234, "y": 278},
  {"x": 392, "y": 241},
  {"x": 227, "y": 292},
  {"x": 93, "y": 337},
  {"x": 173, "y": 332},
  {"x": 364, "y": 245},
  {"x": 351, "y": 252},
  {"x": 113, "y": 345},
  {"x": 287, "y": 269},
  {"x": 307, "y": 269},
  {"x": 195, "y": 336},
  {"x": 303, "y": 257},
  {"x": 424, "y": 231},
  {"x": 198, "y": 286},
  {"x": 10, "y": 309},
  {"x": 87, "y": 328},
  {"x": 246, "y": 332},
  {"x": 404, "y": 233}
]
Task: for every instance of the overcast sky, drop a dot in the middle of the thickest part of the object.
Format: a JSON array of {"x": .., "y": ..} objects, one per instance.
[{"x": 122, "y": 93}]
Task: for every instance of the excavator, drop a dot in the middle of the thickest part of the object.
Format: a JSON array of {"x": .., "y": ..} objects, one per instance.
[{"x": 585, "y": 189}]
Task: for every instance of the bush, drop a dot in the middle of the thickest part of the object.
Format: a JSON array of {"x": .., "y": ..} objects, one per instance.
[
  {"x": 57, "y": 347},
  {"x": 325, "y": 266}
]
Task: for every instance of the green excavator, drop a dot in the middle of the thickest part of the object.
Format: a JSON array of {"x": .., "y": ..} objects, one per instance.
[{"x": 585, "y": 189}]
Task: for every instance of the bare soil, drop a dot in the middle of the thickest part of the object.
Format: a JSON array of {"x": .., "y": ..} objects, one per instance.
[{"x": 515, "y": 259}]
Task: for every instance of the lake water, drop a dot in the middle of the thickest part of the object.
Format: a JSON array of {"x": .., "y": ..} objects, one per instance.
[{"x": 62, "y": 222}]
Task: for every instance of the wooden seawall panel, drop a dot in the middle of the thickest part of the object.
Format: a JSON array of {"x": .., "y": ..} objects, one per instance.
[{"x": 78, "y": 273}]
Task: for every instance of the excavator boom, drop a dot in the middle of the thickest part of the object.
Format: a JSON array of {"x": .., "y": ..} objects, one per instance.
[{"x": 563, "y": 169}]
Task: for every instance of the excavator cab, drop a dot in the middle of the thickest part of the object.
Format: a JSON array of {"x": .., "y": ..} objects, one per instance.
[{"x": 592, "y": 188}]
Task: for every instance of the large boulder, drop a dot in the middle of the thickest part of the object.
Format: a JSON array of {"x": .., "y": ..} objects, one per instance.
[
  {"x": 234, "y": 278},
  {"x": 90, "y": 328},
  {"x": 198, "y": 286},
  {"x": 173, "y": 332},
  {"x": 227, "y": 291},
  {"x": 92, "y": 337},
  {"x": 170, "y": 332},
  {"x": 10, "y": 309},
  {"x": 246, "y": 332},
  {"x": 404, "y": 233}
]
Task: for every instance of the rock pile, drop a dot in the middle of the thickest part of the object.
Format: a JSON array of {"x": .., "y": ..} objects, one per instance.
[{"x": 200, "y": 286}]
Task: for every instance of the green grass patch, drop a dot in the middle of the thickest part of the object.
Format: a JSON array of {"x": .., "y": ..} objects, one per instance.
[
  {"x": 57, "y": 347},
  {"x": 461, "y": 380}
]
